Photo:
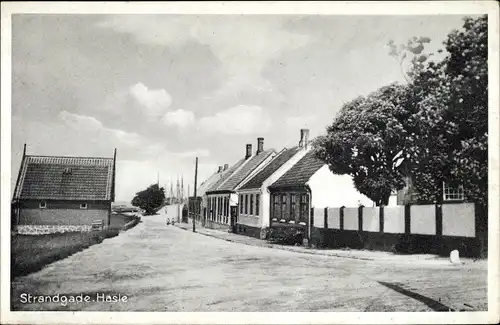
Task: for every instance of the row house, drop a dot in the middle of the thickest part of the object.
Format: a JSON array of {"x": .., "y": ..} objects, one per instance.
[
  {"x": 222, "y": 199},
  {"x": 254, "y": 197},
  {"x": 201, "y": 204}
]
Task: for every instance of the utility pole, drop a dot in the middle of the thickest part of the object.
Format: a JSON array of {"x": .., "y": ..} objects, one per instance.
[
  {"x": 195, "y": 194},
  {"x": 188, "y": 210}
]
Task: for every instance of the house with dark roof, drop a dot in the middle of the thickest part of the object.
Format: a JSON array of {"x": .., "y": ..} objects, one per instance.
[
  {"x": 310, "y": 184},
  {"x": 221, "y": 197},
  {"x": 57, "y": 194},
  {"x": 199, "y": 203},
  {"x": 254, "y": 198}
]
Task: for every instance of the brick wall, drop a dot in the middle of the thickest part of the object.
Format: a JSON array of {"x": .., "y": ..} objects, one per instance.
[{"x": 62, "y": 213}]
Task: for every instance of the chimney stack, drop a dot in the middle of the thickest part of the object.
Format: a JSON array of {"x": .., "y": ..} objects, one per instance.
[
  {"x": 220, "y": 169},
  {"x": 304, "y": 136},
  {"x": 249, "y": 151},
  {"x": 226, "y": 166},
  {"x": 260, "y": 145}
]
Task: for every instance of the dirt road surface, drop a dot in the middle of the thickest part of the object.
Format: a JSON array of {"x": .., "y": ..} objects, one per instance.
[{"x": 164, "y": 268}]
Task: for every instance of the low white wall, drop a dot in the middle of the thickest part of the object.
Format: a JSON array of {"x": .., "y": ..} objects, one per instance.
[
  {"x": 319, "y": 218},
  {"x": 371, "y": 217},
  {"x": 334, "y": 218},
  {"x": 351, "y": 219},
  {"x": 423, "y": 219},
  {"x": 459, "y": 220},
  {"x": 394, "y": 219}
]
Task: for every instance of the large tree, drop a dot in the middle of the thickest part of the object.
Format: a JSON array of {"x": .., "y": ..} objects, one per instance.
[
  {"x": 367, "y": 142},
  {"x": 436, "y": 124},
  {"x": 449, "y": 99},
  {"x": 150, "y": 199}
]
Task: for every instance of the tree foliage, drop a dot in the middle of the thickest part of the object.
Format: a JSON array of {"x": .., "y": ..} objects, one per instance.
[
  {"x": 149, "y": 199},
  {"x": 434, "y": 128}
]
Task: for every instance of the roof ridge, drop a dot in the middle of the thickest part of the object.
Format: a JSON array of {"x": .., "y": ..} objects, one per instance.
[
  {"x": 83, "y": 157},
  {"x": 272, "y": 163},
  {"x": 236, "y": 170}
]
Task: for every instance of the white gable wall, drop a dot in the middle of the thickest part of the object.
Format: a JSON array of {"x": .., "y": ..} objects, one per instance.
[{"x": 333, "y": 191}]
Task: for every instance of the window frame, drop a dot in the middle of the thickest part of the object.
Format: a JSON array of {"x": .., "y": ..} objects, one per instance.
[
  {"x": 257, "y": 204},
  {"x": 251, "y": 204},
  {"x": 284, "y": 201},
  {"x": 453, "y": 193},
  {"x": 246, "y": 203}
]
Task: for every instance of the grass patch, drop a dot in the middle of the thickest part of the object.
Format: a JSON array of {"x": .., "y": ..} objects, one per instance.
[{"x": 30, "y": 253}]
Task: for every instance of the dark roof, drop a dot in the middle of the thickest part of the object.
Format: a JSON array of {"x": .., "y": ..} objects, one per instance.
[
  {"x": 247, "y": 167},
  {"x": 266, "y": 172},
  {"x": 65, "y": 178},
  {"x": 207, "y": 184},
  {"x": 253, "y": 162},
  {"x": 301, "y": 172},
  {"x": 226, "y": 174}
]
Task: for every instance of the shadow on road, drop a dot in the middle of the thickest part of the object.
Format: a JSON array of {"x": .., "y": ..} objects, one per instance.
[{"x": 433, "y": 304}]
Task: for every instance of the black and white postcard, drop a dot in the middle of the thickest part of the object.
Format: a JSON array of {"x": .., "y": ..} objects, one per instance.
[{"x": 250, "y": 162}]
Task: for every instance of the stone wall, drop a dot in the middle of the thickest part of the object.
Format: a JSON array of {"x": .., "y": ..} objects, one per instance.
[{"x": 50, "y": 229}]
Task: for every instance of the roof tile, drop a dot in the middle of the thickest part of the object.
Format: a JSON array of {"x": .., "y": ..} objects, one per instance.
[
  {"x": 273, "y": 166},
  {"x": 300, "y": 173},
  {"x": 65, "y": 178}
]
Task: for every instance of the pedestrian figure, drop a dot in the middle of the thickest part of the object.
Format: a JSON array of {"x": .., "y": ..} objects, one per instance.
[{"x": 168, "y": 221}]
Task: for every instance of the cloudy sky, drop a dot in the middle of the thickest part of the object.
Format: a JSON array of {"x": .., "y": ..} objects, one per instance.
[{"x": 163, "y": 89}]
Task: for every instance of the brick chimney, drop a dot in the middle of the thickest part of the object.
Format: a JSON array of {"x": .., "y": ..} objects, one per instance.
[
  {"x": 220, "y": 169},
  {"x": 304, "y": 137},
  {"x": 260, "y": 145},
  {"x": 249, "y": 151},
  {"x": 226, "y": 166}
]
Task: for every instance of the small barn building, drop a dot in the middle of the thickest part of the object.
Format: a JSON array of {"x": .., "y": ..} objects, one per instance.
[{"x": 59, "y": 194}]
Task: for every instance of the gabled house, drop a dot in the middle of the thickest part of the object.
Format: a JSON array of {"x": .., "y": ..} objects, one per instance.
[
  {"x": 199, "y": 203},
  {"x": 57, "y": 194},
  {"x": 310, "y": 184},
  {"x": 222, "y": 196},
  {"x": 254, "y": 199}
]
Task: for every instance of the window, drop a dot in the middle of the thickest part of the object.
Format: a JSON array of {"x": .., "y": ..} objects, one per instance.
[
  {"x": 276, "y": 206},
  {"x": 251, "y": 204},
  {"x": 284, "y": 198},
  {"x": 257, "y": 204},
  {"x": 293, "y": 202},
  {"x": 453, "y": 193},
  {"x": 212, "y": 208},
  {"x": 304, "y": 208},
  {"x": 42, "y": 205},
  {"x": 83, "y": 206},
  {"x": 241, "y": 203},
  {"x": 246, "y": 203}
]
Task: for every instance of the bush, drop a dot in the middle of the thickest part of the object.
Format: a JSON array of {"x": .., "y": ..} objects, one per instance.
[{"x": 287, "y": 235}]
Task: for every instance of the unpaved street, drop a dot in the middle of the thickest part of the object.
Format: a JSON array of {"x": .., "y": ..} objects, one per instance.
[{"x": 164, "y": 268}]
